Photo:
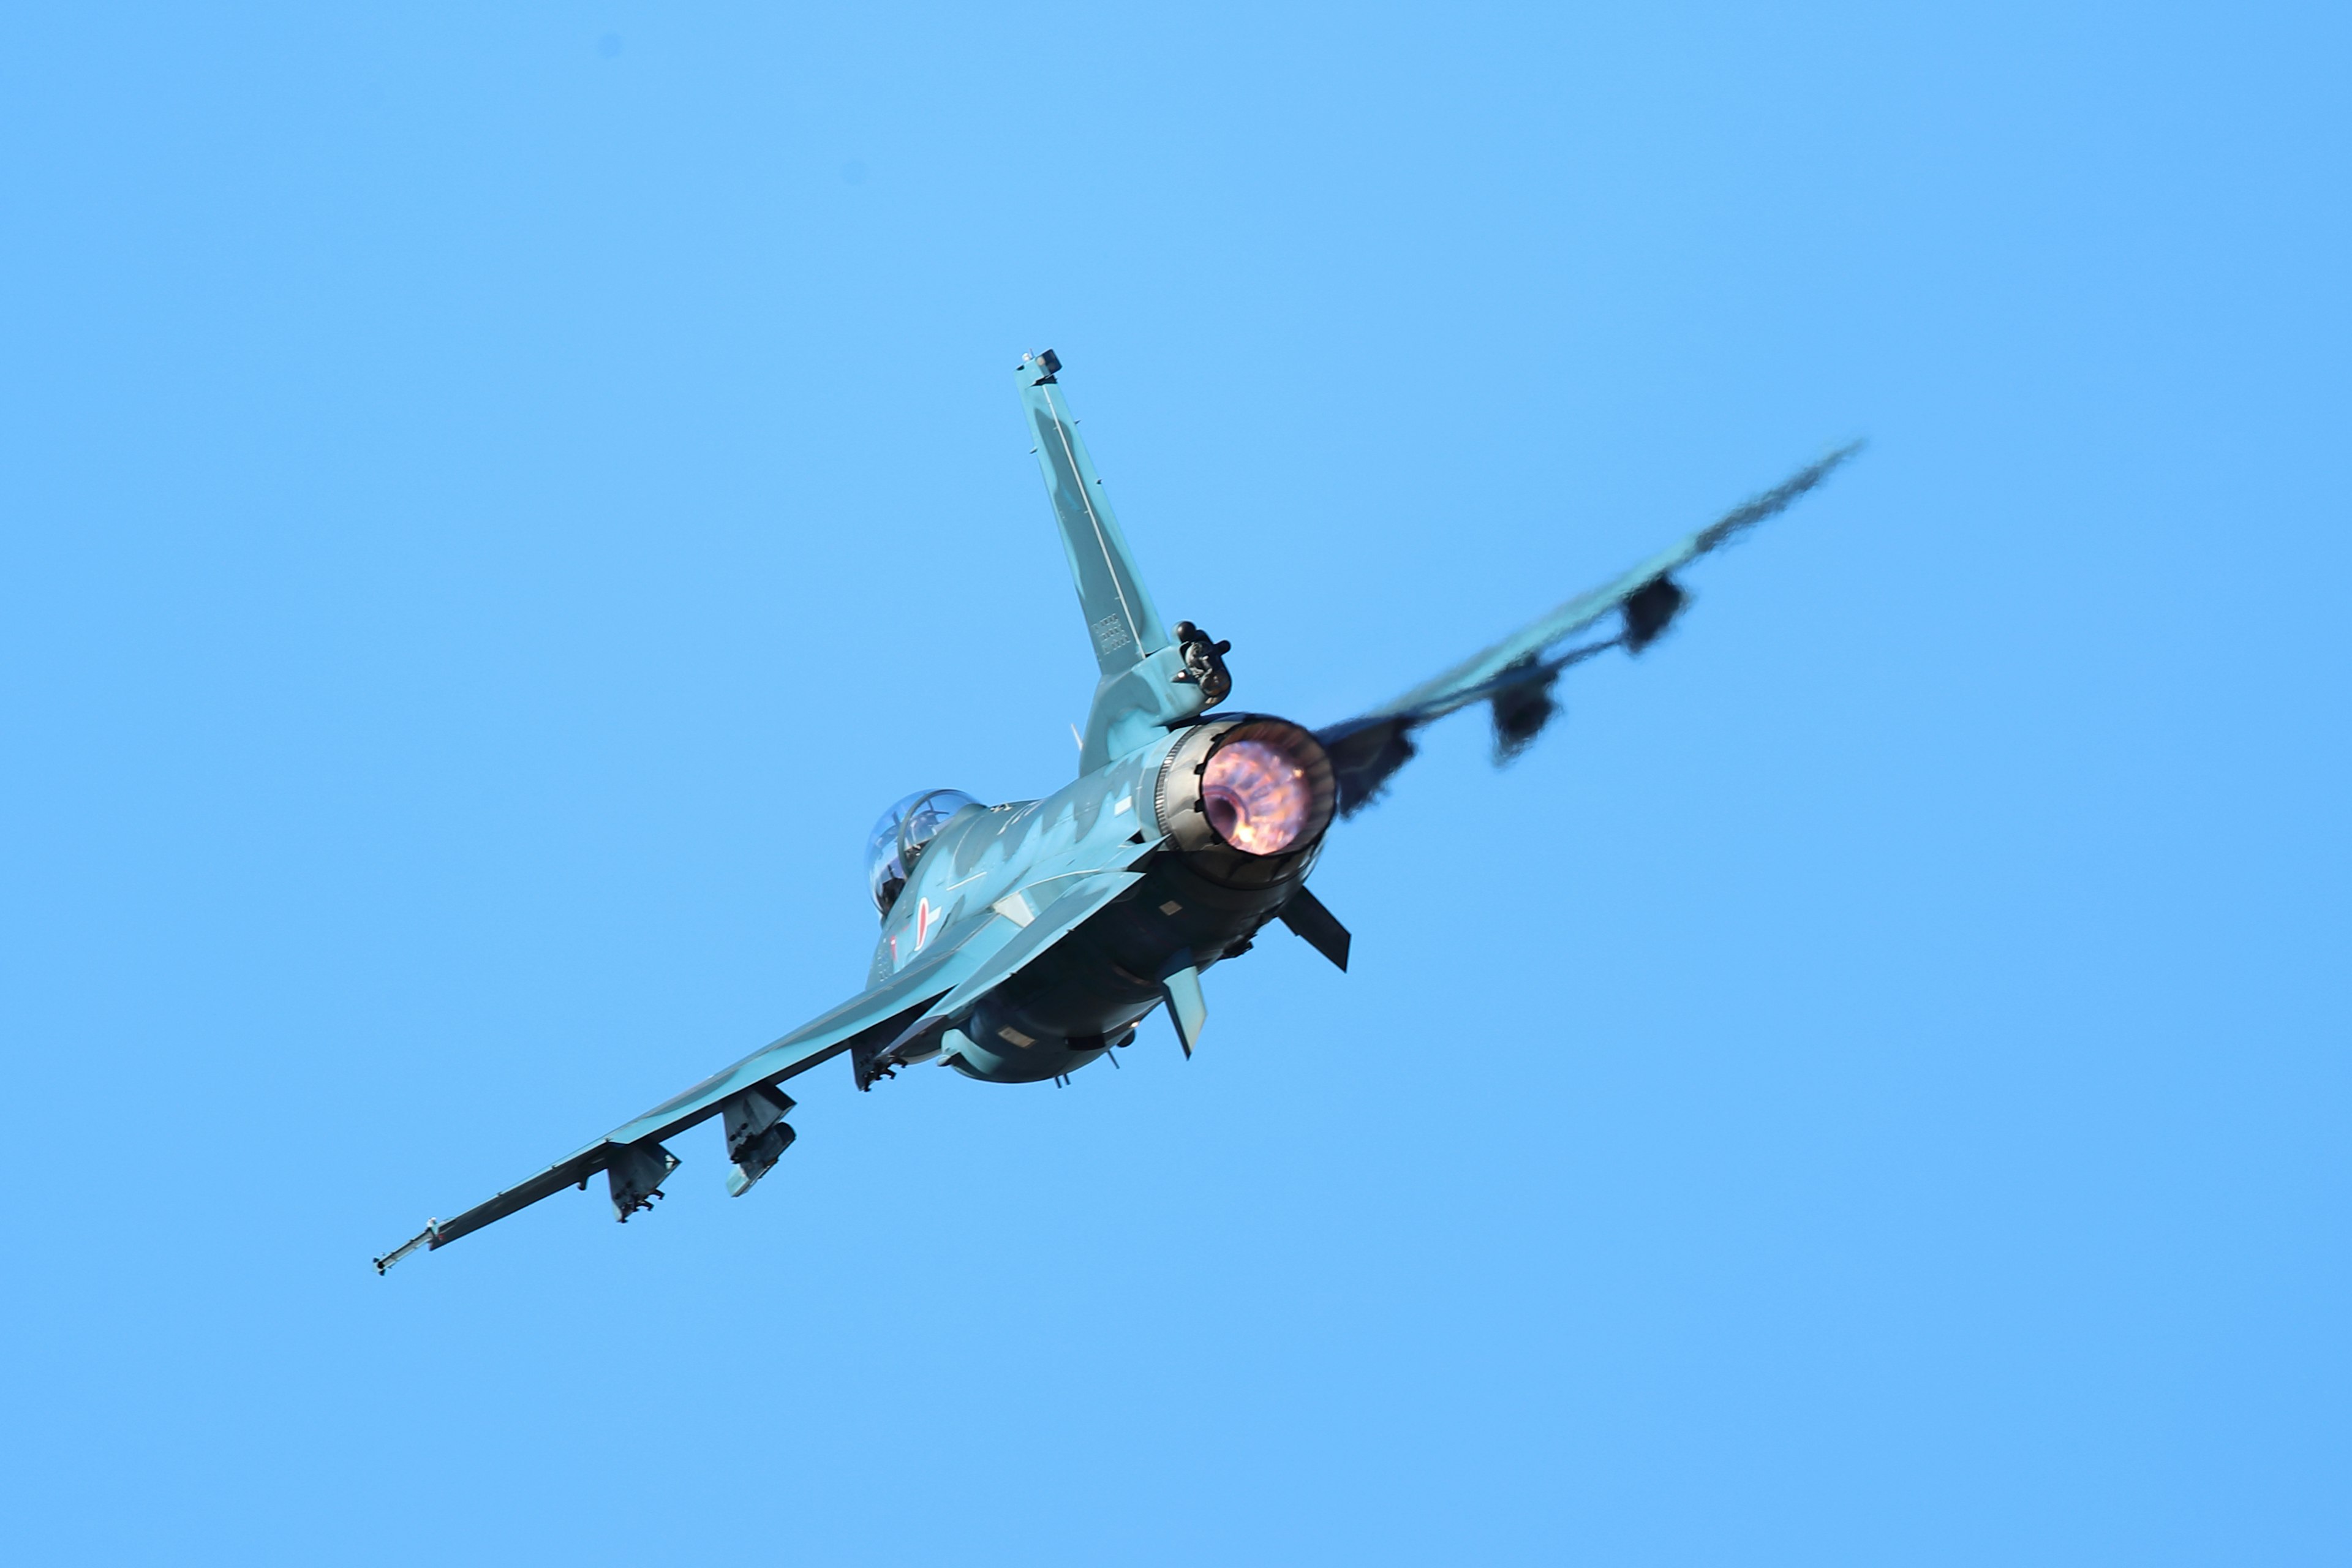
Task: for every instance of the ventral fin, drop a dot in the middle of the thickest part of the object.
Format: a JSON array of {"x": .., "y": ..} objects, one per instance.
[{"x": 1188, "y": 1009}]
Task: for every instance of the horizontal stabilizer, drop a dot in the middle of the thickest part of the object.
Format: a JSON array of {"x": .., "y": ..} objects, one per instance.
[{"x": 1306, "y": 915}]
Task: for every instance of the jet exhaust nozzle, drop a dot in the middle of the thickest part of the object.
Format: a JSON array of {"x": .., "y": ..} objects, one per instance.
[{"x": 1246, "y": 796}]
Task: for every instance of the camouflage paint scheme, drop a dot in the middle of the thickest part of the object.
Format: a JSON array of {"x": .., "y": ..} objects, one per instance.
[{"x": 1028, "y": 940}]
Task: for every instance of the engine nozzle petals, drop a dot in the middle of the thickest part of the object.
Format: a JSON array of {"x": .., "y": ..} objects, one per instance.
[
  {"x": 1247, "y": 789},
  {"x": 1256, "y": 796}
]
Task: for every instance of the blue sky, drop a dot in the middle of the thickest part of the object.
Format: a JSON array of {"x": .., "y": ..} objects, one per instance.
[{"x": 495, "y": 504}]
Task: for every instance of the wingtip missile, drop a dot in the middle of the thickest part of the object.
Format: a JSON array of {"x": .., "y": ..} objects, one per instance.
[{"x": 428, "y": 1238}]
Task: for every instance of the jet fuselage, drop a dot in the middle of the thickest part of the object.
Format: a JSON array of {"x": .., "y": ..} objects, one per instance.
[{"x": 1196, "y": 899}]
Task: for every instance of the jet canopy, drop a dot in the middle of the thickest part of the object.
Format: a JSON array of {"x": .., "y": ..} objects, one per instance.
[{"x": 897, "y": 840}]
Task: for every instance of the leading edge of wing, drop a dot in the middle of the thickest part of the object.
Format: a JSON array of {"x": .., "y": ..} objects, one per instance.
[
  {"x": 881, "y": 1012},
  {"x": 1475, "y": 677},
  {"x": 1366, "y": 749}
]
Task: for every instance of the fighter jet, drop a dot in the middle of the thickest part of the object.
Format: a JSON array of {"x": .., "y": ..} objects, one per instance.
[{"x": 1023, "y": 942}]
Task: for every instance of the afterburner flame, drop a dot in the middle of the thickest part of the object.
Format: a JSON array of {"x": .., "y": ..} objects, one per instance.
[{"x": 1256, "y": 797}]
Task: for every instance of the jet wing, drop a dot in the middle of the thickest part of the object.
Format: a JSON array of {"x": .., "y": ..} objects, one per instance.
[
  {"x": 632, "y": 1153},
  {"x": 1515, "y": 675},
  {"x": 1045, "y": 911},
  {"x": 1077, "y": 900}
]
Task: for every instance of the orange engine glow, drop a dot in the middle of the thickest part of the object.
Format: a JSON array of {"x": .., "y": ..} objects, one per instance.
[{"x": 1256, "y": 797}]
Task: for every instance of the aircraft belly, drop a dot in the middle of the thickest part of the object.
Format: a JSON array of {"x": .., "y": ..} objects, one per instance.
[{"x": 1056, "y": 1014}]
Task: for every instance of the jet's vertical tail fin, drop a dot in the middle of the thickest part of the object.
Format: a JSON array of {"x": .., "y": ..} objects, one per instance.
[
  {"x": 1145, "y": 682},
  {"x": 1121, "y": 622}
]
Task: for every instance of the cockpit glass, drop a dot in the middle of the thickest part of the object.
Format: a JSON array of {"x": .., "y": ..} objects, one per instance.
[{"x": 898, "y": 839}]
